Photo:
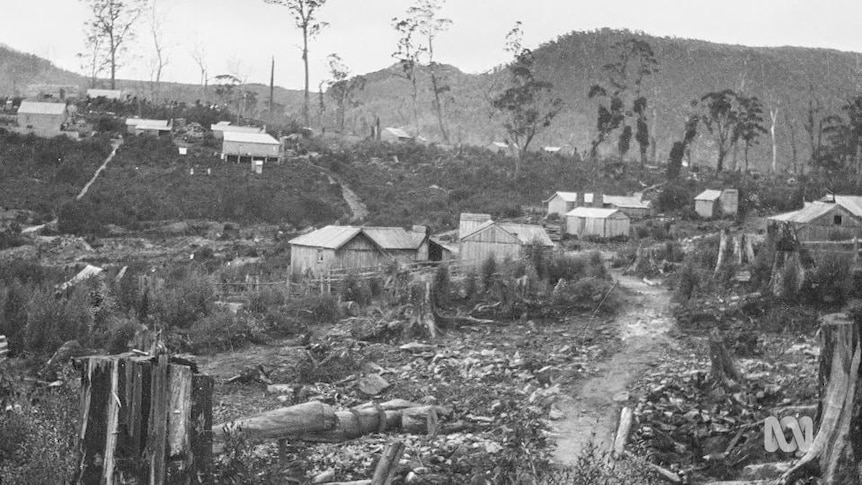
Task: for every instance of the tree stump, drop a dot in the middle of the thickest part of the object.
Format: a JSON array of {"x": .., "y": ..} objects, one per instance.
[
  {"x": 723, "y": 371},
  {"x": 837, "y": 447}
]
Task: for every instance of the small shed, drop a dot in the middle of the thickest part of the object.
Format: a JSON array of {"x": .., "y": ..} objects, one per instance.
[
  {"x": 354, "y": 248},
  {"x": 630, "y": 205},
  {"x": 717, "y": 203},
  {"x": 393, "y": 135},
  {"x": 595, "y": 221},
  {"x": 247, "y": 147},
  {"x": 501, "y": 240},
  {"x": 143, "y": 126},
  {"x": 822, "y": 221},
  {"x": 42, "y": 119},
  {"x": 561, "y": 202},
  {"x": 112, "y": 94},
  {"x": 220, "y": 128}
]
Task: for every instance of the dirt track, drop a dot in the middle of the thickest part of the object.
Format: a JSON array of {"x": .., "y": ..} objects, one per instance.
[{"x": 592, "y": 410}]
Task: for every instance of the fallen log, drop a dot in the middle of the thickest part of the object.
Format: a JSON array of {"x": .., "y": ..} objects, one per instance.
[
  {"x": 317, "y": 422},
  {"x": 665, "y": 474},
  {"x": 626, "y": 418}
]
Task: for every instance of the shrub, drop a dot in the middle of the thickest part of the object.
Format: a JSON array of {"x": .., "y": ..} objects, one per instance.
[
  {"x": 594, "y": 466},
  {"x": 688, "y": 283},
  {"x": 323, "y": 309},
  {"x": 471, "y": 284},
  {"x": 221, "y": 331},
  {"x": 355, "y": 289},
  {"x": 830, "y": 283},
  {"x": 488, "y": 270}
]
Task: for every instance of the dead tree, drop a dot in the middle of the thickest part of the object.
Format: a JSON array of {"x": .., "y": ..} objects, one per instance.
[{"x": 835, "y": 453}]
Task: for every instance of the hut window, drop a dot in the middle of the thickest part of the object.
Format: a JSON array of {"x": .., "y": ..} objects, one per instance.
[
  {"x": 319, "y": 255},
  {"x": 836, "y": 220}
]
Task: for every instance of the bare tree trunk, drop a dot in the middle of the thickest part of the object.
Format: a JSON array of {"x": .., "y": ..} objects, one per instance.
[
  {"x": 834, "y": 454},
  {"x": 773, "y": 115},
  {"x": 305, "y": 63}
]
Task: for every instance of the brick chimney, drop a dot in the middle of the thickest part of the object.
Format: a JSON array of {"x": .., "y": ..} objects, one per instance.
[{"x": 579, "y": 200}]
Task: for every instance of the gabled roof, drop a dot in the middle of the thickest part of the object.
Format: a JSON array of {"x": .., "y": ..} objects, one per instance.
[
  {"x": 852, "y": 203},
  {"x": 572, "y": 197},
  {"x": 259, "y": 138},
  {"x": 37, "y": 108},
  {"x": 626, "y": 202},
  {"x": 475, "y": 217},
  {"x": 528, "y": 233},
  {"x": 394, "y": 237},
  {"x": 709, "y": 195},
  {"x": 524, "y": 233},
  {"x": 334, "y": 237},
  {"x": 808, "y": 213},
  {"x": 594, "y": 212},
  {"x": 329, "y": 237}
]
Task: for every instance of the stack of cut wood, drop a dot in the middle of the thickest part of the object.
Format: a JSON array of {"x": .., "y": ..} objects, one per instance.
[
  {"x": 319, "y": 422},
  {"x": 4, "y": 347}
]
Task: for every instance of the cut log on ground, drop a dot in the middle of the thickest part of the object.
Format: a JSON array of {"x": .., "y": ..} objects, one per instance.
[
  {"x": 626, "y": 419},
  {"x": 317, "y": 422},
  {"x": 834, "y": 453},
  {"x": 388, "y": 464}
]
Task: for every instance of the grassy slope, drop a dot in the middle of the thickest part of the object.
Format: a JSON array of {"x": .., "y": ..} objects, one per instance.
[
  {"x": 42, "y": 174},
  {"x": 149, "y": 180}
]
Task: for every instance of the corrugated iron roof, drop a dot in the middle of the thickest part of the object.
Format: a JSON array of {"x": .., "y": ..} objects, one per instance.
[
  {"x": 566, "y": 196},
  {"x": 236, "y": 129},
  {"x": 807, "y": 214},
  {"x": 626, "y": 201},
  {"x": 37, "y": 108},
  {"x": 594, "y": 212},
  {"x": 394, "y": 237},
  {"x": 709, "y": 195},
  {"x": 852, "y": 203},
  {"x": 147, "y": 124},
  {"x": 528, "y": 233},
  {"x": 333, "y": 237},
  {"x": 105, "y": 93},
  {"x": 259, "y": 138},
  {"x": 475, "y": 217},
  {"x": 329, "y": 237}
]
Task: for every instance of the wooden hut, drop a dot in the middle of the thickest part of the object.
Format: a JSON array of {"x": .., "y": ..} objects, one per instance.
[
  {"x": 561, "y": 202},
  {"x": 717, "y": 203},
  {"x": 595, "y": 221},
  {"x": 354, "y": 248},
  {"x": 823, "y": 221},
  {"x": 248, "y": 147},
  {"x": 141, "y": 126},
  {"x": 43, "y": 119},
  {"x": 220, "y": 128},
  {"x": 470, "y": 221},
  {"x": 501, "y": 240}
]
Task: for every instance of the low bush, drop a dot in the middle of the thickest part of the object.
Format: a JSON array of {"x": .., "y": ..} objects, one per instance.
[
  {"x": 594, "y": 466},
  {"x": 830, "y": 283}
]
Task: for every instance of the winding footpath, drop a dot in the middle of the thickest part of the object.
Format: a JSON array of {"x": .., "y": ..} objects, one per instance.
[{"x": 592, "y": 412}]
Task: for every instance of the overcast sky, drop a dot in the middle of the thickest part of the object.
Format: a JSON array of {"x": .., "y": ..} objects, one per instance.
[{"x": 242, "y": 35}]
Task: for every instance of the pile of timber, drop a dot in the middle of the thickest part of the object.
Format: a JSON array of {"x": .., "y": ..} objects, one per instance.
[
  {"x": 315, "y": 421},
  {"x": 144, "y": 420},
  {"x": 4, "y": 347}
]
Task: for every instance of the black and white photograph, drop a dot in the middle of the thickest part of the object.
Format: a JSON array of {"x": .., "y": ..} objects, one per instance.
[{"x": 430, "y": 242}]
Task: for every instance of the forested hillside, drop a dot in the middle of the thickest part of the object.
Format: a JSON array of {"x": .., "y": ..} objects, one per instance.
[{"x": 799, "y": 86}]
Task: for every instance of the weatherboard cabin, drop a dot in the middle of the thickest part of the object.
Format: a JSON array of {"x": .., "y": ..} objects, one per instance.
[
  {"x": 250, "y": 147},
  {"x": 43, "y": 119},
  {"x": 839, "y": 218},
  {"x": 355, "y": 248},
  {"x": 501, "y": 240},
  {"x": 109, "y": 94},
  {"x": 710, "y": 204},
  {"x": 630, "y": 205},
  {"x": 598, "y": 222}
]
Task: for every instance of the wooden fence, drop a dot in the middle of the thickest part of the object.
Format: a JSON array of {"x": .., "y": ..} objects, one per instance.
[
  {"x": 848, "y": 247},
  {"x": 144, "y": 420}
]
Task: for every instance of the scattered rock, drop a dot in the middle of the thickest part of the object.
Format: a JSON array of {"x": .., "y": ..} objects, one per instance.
[{"x": 372, "y": 384}]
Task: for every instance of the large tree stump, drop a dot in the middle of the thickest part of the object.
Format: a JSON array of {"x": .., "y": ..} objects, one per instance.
[
  {"x": 837, "y": 447},
  {"x": 144, "y": 420}
]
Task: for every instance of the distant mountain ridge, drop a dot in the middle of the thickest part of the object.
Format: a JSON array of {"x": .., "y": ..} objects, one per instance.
[{"x": 786, "y": 79}]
